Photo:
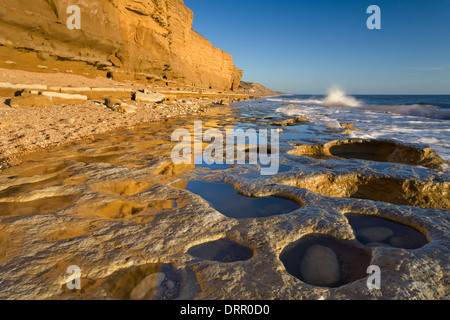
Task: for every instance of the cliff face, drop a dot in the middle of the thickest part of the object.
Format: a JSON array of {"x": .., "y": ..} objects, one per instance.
[
  {"x": 255, "y": 89},
  {"x": 146, "y": 40}
]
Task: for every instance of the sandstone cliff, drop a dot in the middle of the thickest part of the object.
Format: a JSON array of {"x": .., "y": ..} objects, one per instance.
[{"x": 150, "y": 41}]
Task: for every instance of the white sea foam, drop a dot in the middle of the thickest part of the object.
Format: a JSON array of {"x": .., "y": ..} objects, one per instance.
[
  {"x": 378, "y": 123},
  {"x": 337, "y": 98},
  {"x": 297, "y": 101},
  {"x": 429, "y": 140},
  {"x": 414, "y": 110},
  {"x": 308, "y": 101}
]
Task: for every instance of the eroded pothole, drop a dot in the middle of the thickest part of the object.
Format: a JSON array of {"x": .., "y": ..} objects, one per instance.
[
  {"x": 379, "y": 232},
  {"x": 120, "y": 209},
  {"x": 147, "y": 282},
  {"x": 35, "y": 169},
  {"x": 373, "y": 150},
  {"x": 171, "y": 169},
  {"x": 224, "y": 198},
  {"x": 325, "y": 261},
  {"x": 223, "y": 250},
  {"x": 128, "y": 188},
  {"x": 426, "y": 194},
  {"x": 40, "y": 206}
]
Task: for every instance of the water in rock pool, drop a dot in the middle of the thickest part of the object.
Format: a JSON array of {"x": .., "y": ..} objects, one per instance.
[
  {"x": 376, "y": 232},
  {"x": 117, "y": 203},
  {"x": 222, "y": 250},
  {"x": 324, "y": 261},
  {"x": 224, "y": 198}
]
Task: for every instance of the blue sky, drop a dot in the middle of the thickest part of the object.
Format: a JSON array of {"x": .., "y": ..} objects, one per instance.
[{"x": 309, "y": 46}]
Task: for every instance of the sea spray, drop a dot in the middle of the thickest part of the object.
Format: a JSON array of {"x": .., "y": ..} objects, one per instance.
[
  {"x": 422, "y": 119},
  {"x": 337, "y": 98}
]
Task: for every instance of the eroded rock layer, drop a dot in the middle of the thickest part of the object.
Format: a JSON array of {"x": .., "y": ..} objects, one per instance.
[
  {"x": 121, "y": 210},
  {"x": 150, "y": 41}
]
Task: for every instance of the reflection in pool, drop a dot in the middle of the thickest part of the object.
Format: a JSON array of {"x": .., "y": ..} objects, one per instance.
[
  {"x": 224, "y": 198},
  {"x": 222, "y": 250},
  {"x": 378, "y": 232}
]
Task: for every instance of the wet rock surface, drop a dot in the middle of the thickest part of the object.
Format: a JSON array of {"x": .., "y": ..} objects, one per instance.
[{"x": 130, "y": 217}]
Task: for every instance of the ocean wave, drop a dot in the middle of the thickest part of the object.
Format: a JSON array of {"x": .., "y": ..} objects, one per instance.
[
  {"x": 414, "y": 110},
  {"x": 298, "y": 101},
  {"x": 275, "y": 100},
  {"x": 308, "y": 101},
  {"x": 337, "y": 98}
]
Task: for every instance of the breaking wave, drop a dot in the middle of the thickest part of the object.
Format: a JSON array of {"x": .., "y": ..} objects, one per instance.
[
  {"x": 415, "y": 110},
  {"x": 337, "y": 98}
]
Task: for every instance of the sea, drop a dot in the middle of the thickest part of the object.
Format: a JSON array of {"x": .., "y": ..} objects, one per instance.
[{"x": 416, "y": 119}]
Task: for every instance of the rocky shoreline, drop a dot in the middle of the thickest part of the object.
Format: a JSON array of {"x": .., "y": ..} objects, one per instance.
[
  {"x": 41, "y": 111},
  {"x": 139, "y": 226}
]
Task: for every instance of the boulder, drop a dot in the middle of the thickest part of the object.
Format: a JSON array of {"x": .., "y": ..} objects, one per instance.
[
  {"x": 349, "y": 126},
  {"x": 65, "y": 97},
  {"x": 148, "y": 287},
  {"x": 149, "y": 97},
  {"x": 68, "y": 121},
  {"x": 112, "y": 103},
  {"x": 320, "y": 266},
  {"x": 125, "y": 108},
  {"x": 31, "y": 100},
  {"x": 374, "y": 234},
  {"x": 290, "y": 122}
]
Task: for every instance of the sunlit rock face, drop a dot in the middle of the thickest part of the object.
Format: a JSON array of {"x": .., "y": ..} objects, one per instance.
[{"x": 150, "y": 41}]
